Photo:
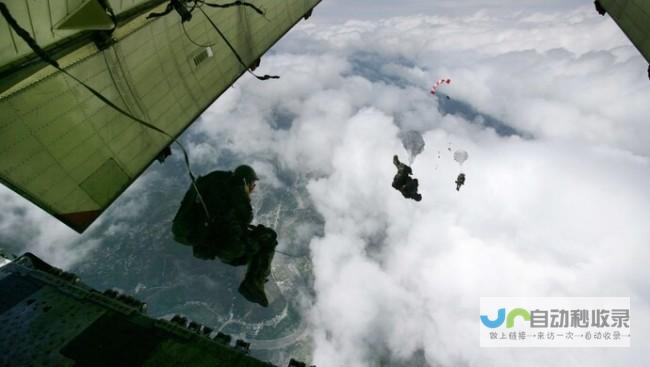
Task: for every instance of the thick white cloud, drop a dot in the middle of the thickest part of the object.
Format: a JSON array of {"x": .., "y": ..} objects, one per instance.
[
  {"x": 562, "y": 212},
  {"x": 24, "y": 227},
  {"x": 562, "y": 75},
  {"x": 535, "y": 219}
]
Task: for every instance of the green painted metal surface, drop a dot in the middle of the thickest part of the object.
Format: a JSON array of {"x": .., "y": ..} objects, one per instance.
[
  {"x": 633, "y": 17},
  {"x": 71, "y": 154}
]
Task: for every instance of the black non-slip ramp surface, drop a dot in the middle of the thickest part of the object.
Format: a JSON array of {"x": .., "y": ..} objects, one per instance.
[{"x": 50, "y": 318}]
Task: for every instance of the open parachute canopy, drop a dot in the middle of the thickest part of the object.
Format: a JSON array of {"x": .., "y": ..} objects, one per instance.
[
  {"x": 460, "y": 156},
  {"x": 439, "y": 83},
  {"x": 69, "y": 151},
  {"x": 413, "y": 142}
]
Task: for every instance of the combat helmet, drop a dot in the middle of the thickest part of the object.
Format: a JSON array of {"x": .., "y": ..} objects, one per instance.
[{"x": 246, "y": 173}]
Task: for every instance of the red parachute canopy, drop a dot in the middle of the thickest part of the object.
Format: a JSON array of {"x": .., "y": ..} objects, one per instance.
[{"x": 438, "y": 84}]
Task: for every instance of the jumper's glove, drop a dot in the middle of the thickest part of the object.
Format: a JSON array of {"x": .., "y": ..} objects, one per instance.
[{"x": 264, "y": 236}]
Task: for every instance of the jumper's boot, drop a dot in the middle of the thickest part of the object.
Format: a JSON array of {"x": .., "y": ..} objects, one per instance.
[
  {"x": 252, "y": 288},
  {"x": 259, "y": 268}
]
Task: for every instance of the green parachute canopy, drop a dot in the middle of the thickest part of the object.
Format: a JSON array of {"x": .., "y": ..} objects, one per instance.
[{"x": 69, "y": 152}]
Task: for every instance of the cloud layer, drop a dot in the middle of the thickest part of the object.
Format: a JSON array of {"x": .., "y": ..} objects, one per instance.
[{"x": 556, "y": 207}]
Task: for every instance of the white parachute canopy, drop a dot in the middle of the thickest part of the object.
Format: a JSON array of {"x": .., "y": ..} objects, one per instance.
[
  {"x": 460, "y": 156},
  {"x": 413, "y": 143}
]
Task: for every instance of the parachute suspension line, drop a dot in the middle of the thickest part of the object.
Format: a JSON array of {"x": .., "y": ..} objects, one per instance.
[
  {"x": 275, "y": 226},
  {"x": 191, "y": 40},
  {"x": 235, "y": 3},
  {"x": 277, "y": 217},
  {"x": 186, "y": 14},
  {"x": 45, "y": 57},
  {"x": 167, "y": 10},
  {"x": 223, "y": 36},
  {"x": 196, "y": 188},
  {"x": 289, "y": 255}
]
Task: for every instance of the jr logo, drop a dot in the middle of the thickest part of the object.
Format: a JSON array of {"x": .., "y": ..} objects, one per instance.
[{"x": 501, "y": 317}]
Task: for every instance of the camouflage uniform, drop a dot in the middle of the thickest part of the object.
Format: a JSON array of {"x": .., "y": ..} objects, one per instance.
[
  {"x": 228, "y": 233},
  {"x": 460, "y": 181},
  {"x": 403, "y": 183}
]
